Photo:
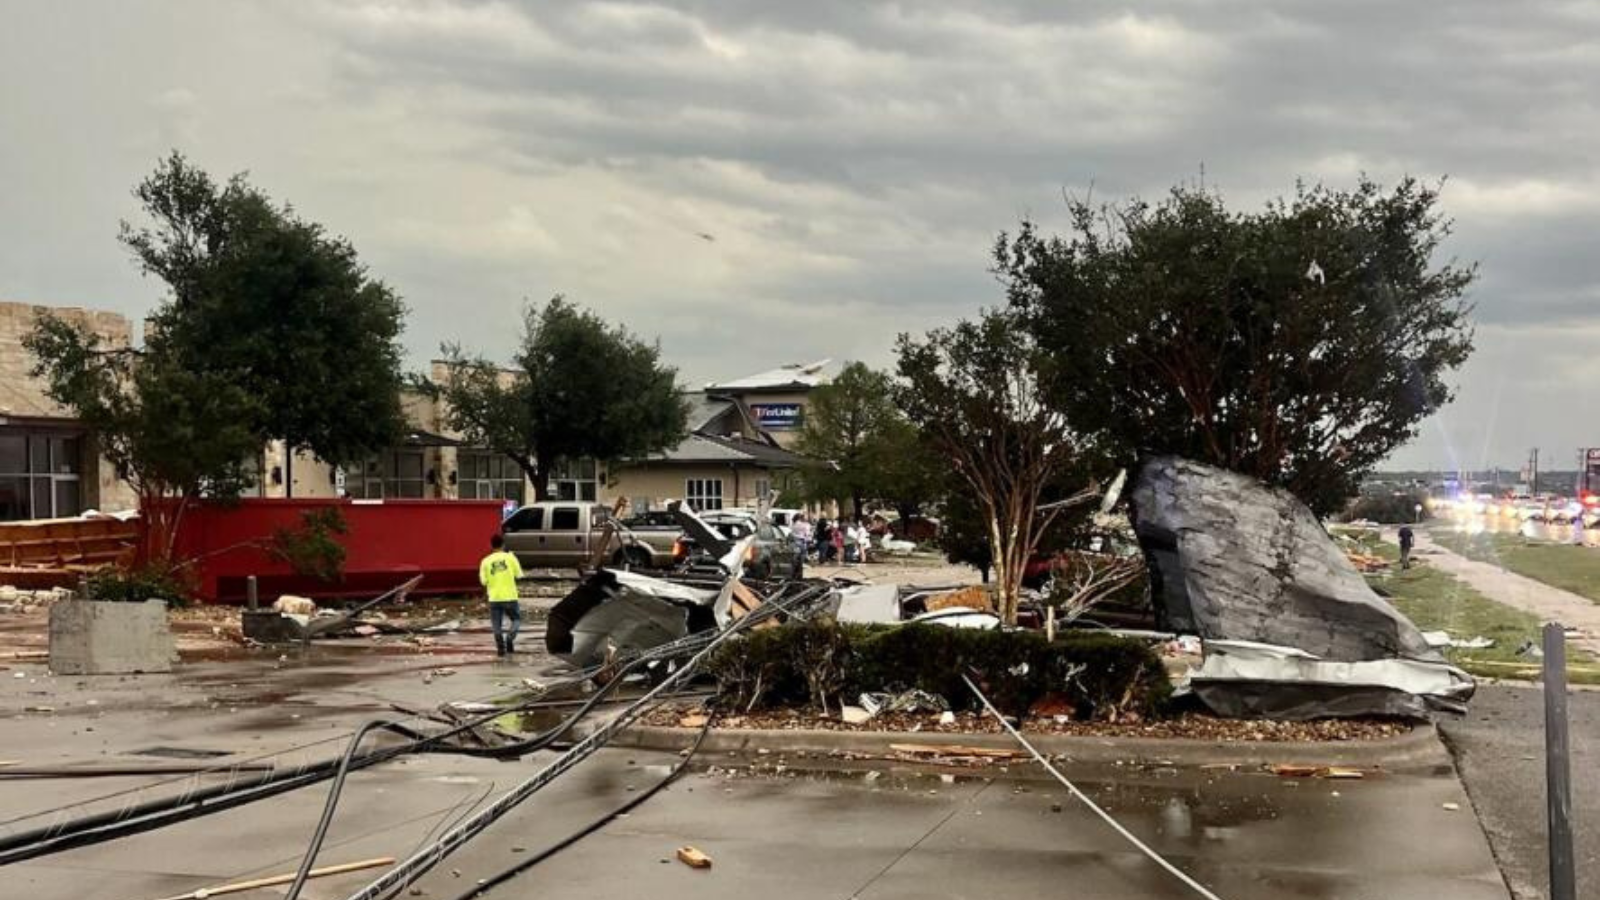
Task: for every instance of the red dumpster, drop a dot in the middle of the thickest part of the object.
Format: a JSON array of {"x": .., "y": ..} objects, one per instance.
[{"x": 387, "y": 542}]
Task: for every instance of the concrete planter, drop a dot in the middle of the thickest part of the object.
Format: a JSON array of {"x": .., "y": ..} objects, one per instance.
[{"x": 97, "y": 637}]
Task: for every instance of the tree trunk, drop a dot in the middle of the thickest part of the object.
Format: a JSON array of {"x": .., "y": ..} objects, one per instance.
[{"x": 533, "y": 473}]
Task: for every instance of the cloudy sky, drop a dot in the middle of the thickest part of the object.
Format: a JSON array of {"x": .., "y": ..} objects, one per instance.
[{"x": 767, "y": 182}]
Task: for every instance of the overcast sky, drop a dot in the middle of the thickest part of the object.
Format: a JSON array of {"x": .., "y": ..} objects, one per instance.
[{"x": 758, "y": 183}]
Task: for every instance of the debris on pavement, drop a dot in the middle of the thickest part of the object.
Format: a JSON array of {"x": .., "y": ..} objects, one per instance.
[
  {"x": 1339, "y": 773},
  {"x": 1439, "y": 640},
  {"x": 274, "y": 880},
  {"x": 912, "y": 701},
  {"x": 291, "y": 605},
  {"x": 693, "y": 858},
  {"x": 955, "y": 751}
]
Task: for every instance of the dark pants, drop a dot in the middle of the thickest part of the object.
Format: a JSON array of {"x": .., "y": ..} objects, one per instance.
[
  {"x": 1405, "y": 556},
  {"x": 500, "y": 610}
]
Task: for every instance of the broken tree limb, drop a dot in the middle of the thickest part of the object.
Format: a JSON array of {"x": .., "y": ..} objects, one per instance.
[{"x": 239, "y": 886}]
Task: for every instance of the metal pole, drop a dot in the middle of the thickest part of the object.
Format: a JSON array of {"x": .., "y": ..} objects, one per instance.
[
  {"x": 1557, "y": 764},
  {"x": 252, "y": 599}
]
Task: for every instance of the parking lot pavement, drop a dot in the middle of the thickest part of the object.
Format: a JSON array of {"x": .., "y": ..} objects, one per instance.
[
  {"x": 1499, "y": 748},
  {"x": 904, "y": 832}
]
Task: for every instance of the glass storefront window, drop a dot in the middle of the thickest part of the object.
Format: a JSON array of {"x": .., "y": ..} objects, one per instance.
[{"x": 39, "y": 474}]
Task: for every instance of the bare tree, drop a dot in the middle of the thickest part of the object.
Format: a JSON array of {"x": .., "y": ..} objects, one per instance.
[
  {"x": 974, "y": 390},
  {"x": 1084, "y": 580}
]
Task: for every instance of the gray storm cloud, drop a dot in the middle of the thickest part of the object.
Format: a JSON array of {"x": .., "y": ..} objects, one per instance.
[{"x": 850, "y": 162}]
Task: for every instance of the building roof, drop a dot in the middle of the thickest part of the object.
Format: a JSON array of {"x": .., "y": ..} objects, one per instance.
[
  {"x": 794, "y": 376},
  {"x": 705, "y": 409},
  {"x": 705, "y": 448}
]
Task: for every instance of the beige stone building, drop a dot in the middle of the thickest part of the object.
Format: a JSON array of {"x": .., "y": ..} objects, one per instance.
[
  {"x": 49, "y": 466},
  {"x": 737, "y": 454}
]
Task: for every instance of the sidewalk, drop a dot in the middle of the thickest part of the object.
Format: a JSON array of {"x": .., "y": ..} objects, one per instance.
[{"x": 1518, "y": 591}]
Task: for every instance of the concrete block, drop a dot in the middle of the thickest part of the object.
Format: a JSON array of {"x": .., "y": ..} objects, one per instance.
[{"x": 97, "y": 637}]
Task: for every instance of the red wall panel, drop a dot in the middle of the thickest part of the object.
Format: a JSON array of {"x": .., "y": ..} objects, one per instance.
[{"x": 388, "y": 541}]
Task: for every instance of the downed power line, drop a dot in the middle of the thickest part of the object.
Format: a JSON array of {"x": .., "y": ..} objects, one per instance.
[{"x": 1117, "y": 826}]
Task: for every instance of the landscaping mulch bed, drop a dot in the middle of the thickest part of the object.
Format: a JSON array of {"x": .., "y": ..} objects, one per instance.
[{"x": 1191, "y": 726}]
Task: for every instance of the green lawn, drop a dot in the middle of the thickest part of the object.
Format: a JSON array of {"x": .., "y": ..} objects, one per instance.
[
  {"x": 1572, "y": 568},
  {"x": 1438, "y": 601}
]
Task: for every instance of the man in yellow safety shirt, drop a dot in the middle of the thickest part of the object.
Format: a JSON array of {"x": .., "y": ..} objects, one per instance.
[{"x": 498, "y": 573}]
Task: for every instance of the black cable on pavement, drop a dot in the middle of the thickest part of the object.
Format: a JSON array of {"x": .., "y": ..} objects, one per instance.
[{"x": 483, "y": 887}]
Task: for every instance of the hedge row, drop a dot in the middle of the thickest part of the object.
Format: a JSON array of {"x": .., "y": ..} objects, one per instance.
[{"x": 824, "y": 664}]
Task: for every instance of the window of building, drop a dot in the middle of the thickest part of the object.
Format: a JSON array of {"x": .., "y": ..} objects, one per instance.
[
  {"x": 575, "y": 480},
  {"x": 395, "y": 473},
  {"x": 763, "y": 490},
  {"x": 40, "y": 474},
  {"x": 703, "y": 494},
  {"x": 481, "y": 475}
]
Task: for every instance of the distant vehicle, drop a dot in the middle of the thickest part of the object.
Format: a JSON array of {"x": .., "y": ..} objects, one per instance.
[{"x": 557, "y": 535}]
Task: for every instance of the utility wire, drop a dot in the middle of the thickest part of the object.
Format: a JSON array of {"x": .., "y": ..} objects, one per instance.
[
  {"x": 419, "y": 863},
  {"x": 510, "y": 872},
  {"x": 1115, "y": 825}
]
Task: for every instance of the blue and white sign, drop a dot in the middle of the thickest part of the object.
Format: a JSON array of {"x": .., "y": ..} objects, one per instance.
[{"x": 776, "y": 415}]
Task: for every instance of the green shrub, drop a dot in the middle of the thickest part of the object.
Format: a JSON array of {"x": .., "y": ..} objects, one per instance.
[
  {"x": 137, "y": 586},
  {"x": 824, "y": 663},
  {"x": 314, "y": 548}
]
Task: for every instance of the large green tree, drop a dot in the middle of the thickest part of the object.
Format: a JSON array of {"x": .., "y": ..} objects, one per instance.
[
  {"x": 844, "y": 419},
  {"x": 975, "y": 391},
  {"x": 275, "y": 305},
  {"x": 1300, "y": 344},
  {"x": 176, "y": 434},
  {"x": 580, "y": 388}
]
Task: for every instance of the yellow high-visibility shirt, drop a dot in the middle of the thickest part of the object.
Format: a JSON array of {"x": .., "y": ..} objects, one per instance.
[{"x": 499, "y": 572}]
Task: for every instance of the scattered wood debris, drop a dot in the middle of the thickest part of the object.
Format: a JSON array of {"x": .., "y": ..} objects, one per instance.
[
  {"x": 1284, "y": 770},
  {"x": 693, "y": 858},
  {"x": 955, "y": 751},
  {"x": 1192, "y": 725}
]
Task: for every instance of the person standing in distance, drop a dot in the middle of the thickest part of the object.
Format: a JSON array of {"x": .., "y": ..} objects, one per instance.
[{"x": 498, "y": 573}]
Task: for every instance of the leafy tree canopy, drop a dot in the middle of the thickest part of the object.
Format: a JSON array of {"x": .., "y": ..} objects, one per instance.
[
  {"x": 975, "y": 391},
  {"x": 175, "y": 433},
  {"x": 273, "y": 304},
  {"x": 1300, "y": 344},
  {"x": 580, "y": 388}
]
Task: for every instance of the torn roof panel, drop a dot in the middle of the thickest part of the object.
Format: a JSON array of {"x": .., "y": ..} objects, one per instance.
[{"x": 801, "y": 376}]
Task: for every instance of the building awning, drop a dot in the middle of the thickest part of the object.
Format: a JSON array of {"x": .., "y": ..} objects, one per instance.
[{"x": 416, "y": 437}]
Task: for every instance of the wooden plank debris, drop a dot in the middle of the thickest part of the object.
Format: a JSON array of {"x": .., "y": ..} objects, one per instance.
[
  {"x": 693, "y": 858},
  {"x": 256, "y": 883}
]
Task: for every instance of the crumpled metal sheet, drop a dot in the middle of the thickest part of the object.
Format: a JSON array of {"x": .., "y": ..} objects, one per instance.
[
  {"x": 1234, "y": 559},
  {"x": 1244, "y": 679},
  {"x": 1291, "y": 629},
  {"x": 627, "y": 611},
  {"x": 632, "y": 612}
]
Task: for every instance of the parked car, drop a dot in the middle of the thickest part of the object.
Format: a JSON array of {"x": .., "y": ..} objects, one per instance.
[
  {"x": 660, "y": 533},
  {"x": 772, "y": 553},
  {"x": 557, "y": 535}
]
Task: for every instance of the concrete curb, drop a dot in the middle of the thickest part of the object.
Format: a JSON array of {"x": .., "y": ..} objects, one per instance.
[{"x": 1418, "y": 748}]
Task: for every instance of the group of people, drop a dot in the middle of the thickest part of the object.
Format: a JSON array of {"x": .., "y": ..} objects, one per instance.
[{"x": 828, "y": 541}]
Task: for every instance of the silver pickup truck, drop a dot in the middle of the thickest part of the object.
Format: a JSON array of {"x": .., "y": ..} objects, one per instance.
[{"x": 567, "y": 535}]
